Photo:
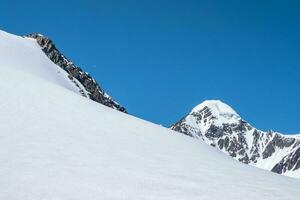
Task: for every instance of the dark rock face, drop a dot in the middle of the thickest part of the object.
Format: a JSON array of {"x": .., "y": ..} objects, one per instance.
[
  {"x": 291, "y": 162},
  {"x": 95, "y": 92},
  {"x": 240, "y": 140}
]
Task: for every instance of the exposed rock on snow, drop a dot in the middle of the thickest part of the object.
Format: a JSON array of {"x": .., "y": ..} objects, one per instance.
[{"x": 91, "y": 87}]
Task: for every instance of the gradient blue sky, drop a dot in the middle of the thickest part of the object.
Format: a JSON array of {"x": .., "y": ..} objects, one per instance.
[{"x": 161, "y": 58}]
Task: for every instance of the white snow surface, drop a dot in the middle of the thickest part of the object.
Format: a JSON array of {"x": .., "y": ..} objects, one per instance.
[
  {"x": 223, "y": 112},
  {"x": 217, "y": 106},
  {"x": 24, "y": 54},
  {"x": 57, "y": 145}
]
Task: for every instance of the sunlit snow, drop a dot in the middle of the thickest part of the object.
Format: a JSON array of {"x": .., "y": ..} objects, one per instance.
[{"x": 57, "y": 145}]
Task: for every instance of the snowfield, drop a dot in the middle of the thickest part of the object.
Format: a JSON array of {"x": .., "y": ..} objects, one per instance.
[{"x": 57, "y": 145}]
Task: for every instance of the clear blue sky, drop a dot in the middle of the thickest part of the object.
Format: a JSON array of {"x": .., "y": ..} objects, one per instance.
[{"x": 161, "y": 58}]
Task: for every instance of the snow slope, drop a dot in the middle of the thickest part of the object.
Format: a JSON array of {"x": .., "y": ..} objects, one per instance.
[
  {"x": 53, "y": 150},
  {"x": 21, "y": 53}
]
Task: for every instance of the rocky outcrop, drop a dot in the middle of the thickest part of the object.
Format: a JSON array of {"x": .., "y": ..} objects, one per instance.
[
  {"x": 240, "y": 140},
  {"x": 92, "y": 88},
  {"x": 291, "y": 162}
]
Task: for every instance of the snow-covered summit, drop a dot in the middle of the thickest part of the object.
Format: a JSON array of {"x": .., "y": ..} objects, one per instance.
[
  {"x": 217, "y": 106},
  {"x": 217, "y": 124},
  {"x": 218, "y": 109}
]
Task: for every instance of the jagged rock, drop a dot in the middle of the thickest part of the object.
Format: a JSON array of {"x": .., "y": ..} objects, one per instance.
[
  {"x": 288, "y": 163},
  {"x": 90, "y": 85}
]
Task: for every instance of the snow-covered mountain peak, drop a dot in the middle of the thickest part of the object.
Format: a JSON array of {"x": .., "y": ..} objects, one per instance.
[
  {"x": 216, "y": 106},
  {"x": 219, "y": 125},
  {"x": 217, "y": 111}
]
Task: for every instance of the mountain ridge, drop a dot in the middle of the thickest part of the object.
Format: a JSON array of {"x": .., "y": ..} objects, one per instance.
[
  {"x": 235, "y": 137},
  {"x": 88, "y": 86}
]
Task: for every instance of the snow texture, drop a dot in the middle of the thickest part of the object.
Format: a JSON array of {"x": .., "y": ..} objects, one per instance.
[{"x": 57, "y": 145}]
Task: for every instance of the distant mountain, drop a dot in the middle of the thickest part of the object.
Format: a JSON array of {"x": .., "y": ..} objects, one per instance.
[
  {"x": 220, "y": 126},
  {"x": 87, "y": 84}
]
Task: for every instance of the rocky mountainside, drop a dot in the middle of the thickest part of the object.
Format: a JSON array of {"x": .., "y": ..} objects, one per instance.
[
  {"x": 220, "y": 126},
  {"x": 88, "y": 86}
]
